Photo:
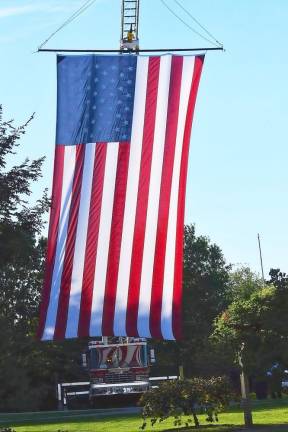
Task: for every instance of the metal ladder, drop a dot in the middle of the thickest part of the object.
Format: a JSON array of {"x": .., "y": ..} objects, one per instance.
[{"x": 129, "y": 19}]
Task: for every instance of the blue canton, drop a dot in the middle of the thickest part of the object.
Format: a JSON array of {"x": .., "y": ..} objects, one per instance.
[{"x": 95, "y": 98}]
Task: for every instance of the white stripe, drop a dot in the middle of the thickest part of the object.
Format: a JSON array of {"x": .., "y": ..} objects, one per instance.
[
  {"x": 131, "y": 197},
  {"x": 104, "y": 239},
  {"x": 80, "y": 242},
  {"x": 168, "y": 281},
  {"x": 67, "y": 183},
  {"x": 130, "y": 353},
  {"x": 153, "y": 199}
]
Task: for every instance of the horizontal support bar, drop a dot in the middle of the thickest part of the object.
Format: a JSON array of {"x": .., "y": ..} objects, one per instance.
[
  {"x": 77, "y": 393},
  {"x": 128, "y": 384},
  {"x": 163, "y": 378},
  {"x": 131, "y": 51}
]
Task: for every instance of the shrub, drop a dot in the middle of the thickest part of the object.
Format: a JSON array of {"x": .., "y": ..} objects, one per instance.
[
  {"x": 7, "y": 429},
  {"x": 186, "y": 397}
]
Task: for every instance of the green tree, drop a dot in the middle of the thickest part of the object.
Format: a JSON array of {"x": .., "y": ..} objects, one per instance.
[
  {"x": 28, "y": 367},
  {"x": 20, "y": 223},
  {"x": 21, "y": 261},
  {"x": 243, "y": 282},
  {"x": 259, "y": 321}
]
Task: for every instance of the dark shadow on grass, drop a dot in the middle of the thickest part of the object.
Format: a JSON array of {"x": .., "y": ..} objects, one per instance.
[
  {"x": 265, "y": 428},
  {"x": 232, "y": 428},
  {"x": 224, "y": 427}
]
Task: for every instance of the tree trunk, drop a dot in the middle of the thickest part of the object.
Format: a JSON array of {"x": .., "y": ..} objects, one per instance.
[{"x": 195, "y": 418}]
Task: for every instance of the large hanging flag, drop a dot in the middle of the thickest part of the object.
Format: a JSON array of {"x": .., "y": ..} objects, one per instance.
[{"x": 115, "y": 243}]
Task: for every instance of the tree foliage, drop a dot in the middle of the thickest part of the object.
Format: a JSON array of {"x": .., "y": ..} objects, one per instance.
[
  {"x": 29, "y": 367},
  {"x": 20, "y": 223},
  {"x": 186, "y": 398},
  {"x": 205, "y": 284},
  {"x": 243, "y": 282},
  {"x": 258, "y": 320}
]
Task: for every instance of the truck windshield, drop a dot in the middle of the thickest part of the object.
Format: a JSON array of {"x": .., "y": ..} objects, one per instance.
[{"x": 121, "y": 356}]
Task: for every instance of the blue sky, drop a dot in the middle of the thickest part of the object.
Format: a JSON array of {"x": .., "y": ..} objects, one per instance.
[{"x": 238, "y": 177}]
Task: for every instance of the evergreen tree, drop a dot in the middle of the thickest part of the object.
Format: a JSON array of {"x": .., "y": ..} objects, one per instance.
[{"x": 28, "y": 367}]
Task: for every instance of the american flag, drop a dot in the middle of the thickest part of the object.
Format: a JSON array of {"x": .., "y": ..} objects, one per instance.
[{"x": 115, "y": 242}]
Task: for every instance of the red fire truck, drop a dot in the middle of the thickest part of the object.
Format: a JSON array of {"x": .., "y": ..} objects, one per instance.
[{"x": 117, "y": 366}]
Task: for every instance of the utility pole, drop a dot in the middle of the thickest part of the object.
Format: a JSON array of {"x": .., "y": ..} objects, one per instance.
[
  {"x": 261, "y": 261},
  {"x": 248, "y": 421}
]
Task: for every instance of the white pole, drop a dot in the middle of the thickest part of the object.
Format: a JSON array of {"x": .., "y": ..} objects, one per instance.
[{"x": 261, "y": 261}]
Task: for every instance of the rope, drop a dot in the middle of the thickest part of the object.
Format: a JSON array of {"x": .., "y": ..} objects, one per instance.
[
  {"x": 187, "y": 25},
  {"x": 197, "y": 22},
  {"x": 75, "y": 15}
]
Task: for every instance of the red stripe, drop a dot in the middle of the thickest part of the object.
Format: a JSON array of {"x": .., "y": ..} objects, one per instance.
[
  {"x": 124, "y": 353},
  {"x": 92, "y": 240},
  {"x": 142, "y": 198},
  {"x": 115, "y": 239},
  {"x": 177, "y": 293},
  {"x": 52, "y": 234},
  {"x": 165, "y": 192},
  {"x": 62, "y": 312}
]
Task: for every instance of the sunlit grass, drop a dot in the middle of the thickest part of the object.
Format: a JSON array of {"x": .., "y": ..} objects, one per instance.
[{"x": 268, "y": 412}]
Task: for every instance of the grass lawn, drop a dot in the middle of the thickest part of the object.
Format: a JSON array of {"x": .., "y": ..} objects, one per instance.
[{"x": 270, "y": 412}]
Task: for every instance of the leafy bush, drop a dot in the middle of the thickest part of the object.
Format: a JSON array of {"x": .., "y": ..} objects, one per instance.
[
  {"x": 8, "y": 429},
  {"x": 186, "y": 397}
]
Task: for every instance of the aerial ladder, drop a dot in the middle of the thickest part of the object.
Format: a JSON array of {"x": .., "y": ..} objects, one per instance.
[{"x": 129, "y": 25}]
